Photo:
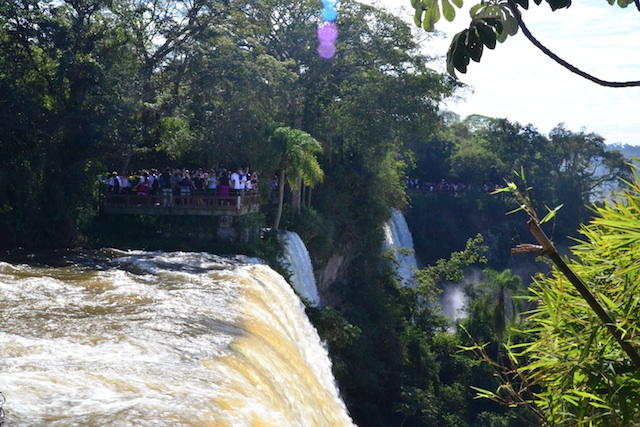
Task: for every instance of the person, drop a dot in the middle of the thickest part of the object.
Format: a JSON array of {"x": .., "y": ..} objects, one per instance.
[
  {"x": 125, "y": 184},
  {"x": 243, "y": 180},
  {"x": 167, "y": 191},
  {"x": 113, "y": 184},
  {"x": 175, "y": 181},
  {"x": 154, "y": 185},
  {"x": 198, "y": 182},
  {"x": 212, "y": 184},
  {"x": 235, "y": 180},
  {"x": 197, "y": 186},
  {"x": 223, "y": 184},
  {"x": 142, "y": 184},
  {"x": 185, "y": 184},
  {"x": 142, "y": 188}
]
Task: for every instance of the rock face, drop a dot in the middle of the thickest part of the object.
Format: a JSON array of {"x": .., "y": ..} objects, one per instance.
[{"x": 333, "y": 273}]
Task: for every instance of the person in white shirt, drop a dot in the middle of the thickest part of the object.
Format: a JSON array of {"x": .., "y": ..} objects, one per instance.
[
  {"x": 113, "y": 184},
  {"x": 125, "y": 184},
  {"x": 243, "y": 180},
  {"x": 236, "y": 182}
]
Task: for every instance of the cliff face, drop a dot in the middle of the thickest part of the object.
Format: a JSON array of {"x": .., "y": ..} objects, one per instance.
[
  {"x": 332, "y": 274},
  {"x": 442, "y": 224}
]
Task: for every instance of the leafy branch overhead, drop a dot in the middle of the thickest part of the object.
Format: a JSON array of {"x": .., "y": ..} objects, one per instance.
[{"x": 493, "y": 21}]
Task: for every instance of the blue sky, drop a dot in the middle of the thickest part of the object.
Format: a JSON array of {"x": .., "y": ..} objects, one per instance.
[{"x": 518, "y": 82}]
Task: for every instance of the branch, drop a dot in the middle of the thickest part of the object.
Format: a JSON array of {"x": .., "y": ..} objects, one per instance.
[{"x": 556, "y": 58}]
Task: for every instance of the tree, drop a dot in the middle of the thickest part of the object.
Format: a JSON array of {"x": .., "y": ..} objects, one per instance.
[
  {"x": 298, "y": 151},
  {"x": 570, "y": 168},
  {"x": 493, "y": 21},
  {"x": 504, "y": 285},
  {"x": 475, "y": 164},
  {"x": 578, "y": 364},
  {"x": 582, "y": 171},
  {"x": 163, "y": 35},
  {"x": 57, "y": 68}
]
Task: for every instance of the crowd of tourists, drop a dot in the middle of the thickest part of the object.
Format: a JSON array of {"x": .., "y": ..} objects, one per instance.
[
  {"x": 184, "y": 182},
  {"x": 446, "y": 187}
]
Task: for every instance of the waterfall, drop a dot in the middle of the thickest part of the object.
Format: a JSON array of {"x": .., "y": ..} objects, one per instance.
[
  {"x": 398, "y": 238},
  {"x": 174, "y": 339},
  {"x": 297, "y": 259}
]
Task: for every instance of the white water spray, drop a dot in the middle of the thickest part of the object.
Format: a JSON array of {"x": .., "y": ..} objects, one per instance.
[
  {"x": 398, "y": 238},
  {"x": 297, "y": 258},
  {"x": 453, "y": 301}
]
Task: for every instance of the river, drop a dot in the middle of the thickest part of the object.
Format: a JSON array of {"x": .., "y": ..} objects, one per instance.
[{"x": 133, "y": 338}]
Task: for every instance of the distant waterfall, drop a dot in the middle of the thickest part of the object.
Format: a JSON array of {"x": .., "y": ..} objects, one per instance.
[
  {"x": 398, "y": 236},
  {"x": 152, "y": 339},
  {"x": 297, "y": 258}
]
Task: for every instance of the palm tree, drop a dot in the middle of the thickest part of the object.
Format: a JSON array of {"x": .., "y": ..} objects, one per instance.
[
  {"x": 504, "y": 284},
  {"x": 298, "y": 162}
]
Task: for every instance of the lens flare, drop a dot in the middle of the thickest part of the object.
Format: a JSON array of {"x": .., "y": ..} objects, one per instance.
[
  {"x": 328, "y": 30},
  {"x": 329, "y": 13},
  {"x": 326, "y": 50}
]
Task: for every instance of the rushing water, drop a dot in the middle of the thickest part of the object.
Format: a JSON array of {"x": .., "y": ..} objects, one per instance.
[
  {"x": 159, "y": 339},
  {"x": 297, "y": 258},
  {"x": 399, "y": 239}
]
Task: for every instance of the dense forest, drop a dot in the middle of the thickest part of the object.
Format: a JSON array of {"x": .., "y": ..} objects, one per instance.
[{"x": 89, "y": 86}]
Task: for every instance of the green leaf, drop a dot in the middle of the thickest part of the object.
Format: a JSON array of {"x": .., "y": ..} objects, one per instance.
[
  {"x": 510, "y": 23},
  {"x": 474, "y": 44},
  {"x": 458, "y": 3},
  {"x": 428, "y": 22},
  {"x": 434, "y": 16},
  {"x": 473, "y": 12},
  {"x": 518, "y": 209},
  {"x": 461, "y": 54},
  {"x": 495, "y": 23},
  {"x": 551, "y": 214},
  {"x": 417, "y": 16},
  {"x": 559, "y": 4},
  {"x": 457, "y": 55},
  {"x": 610, "y": 304},
  {"x": 450, "y": 55},
  {"x": 586, "y": 395},
  {"x": 487, "y": 35},
  {"x": 448, "y": 11}
]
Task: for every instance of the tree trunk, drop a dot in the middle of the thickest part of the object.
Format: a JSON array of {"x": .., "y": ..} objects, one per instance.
[
  {"x": 296, "y": 197},
  {"x": 276, "y": 222}
]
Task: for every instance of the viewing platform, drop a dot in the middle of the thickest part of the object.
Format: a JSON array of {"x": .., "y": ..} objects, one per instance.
[{"x": 199, "y": 204}]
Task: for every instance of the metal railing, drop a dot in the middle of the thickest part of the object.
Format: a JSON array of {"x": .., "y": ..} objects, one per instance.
[{"x": 171, "y": 204}]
